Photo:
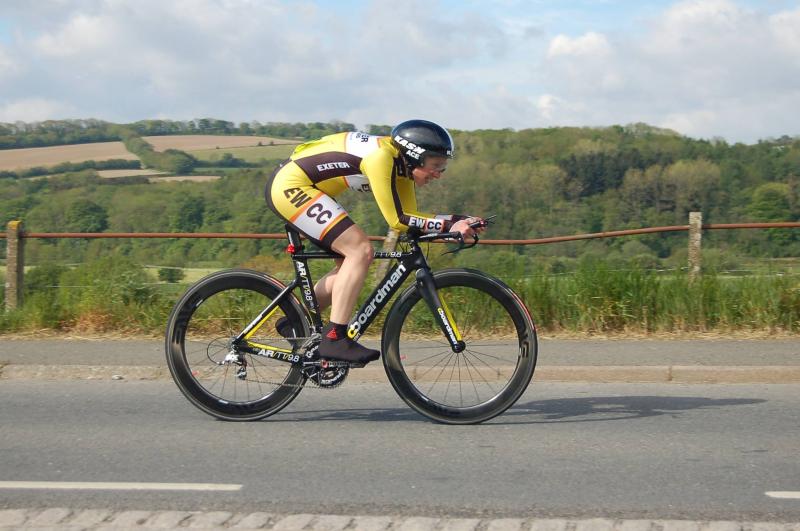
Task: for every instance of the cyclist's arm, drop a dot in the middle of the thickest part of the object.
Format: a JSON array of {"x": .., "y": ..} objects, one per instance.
[{"x": 396, "y": 197}]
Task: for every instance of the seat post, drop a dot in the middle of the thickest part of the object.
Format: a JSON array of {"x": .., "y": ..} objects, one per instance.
[{"x": 294, "y": 238}]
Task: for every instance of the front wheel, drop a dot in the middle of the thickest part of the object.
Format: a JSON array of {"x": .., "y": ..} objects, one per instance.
[
  {"x": 483, "y": 380},
  {"x": 209, "y": 371}
]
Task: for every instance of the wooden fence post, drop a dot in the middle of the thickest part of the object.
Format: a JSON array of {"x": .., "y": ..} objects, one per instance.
[
  {"x": 389, "y": 244},
  {"x": 695, "y": 239},
  {"x": 15, "y": 265}
]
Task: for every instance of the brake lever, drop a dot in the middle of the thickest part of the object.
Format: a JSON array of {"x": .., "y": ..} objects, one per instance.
[
  {"x": 475, "y": 240},
  {"x": 485, "y": 222}
]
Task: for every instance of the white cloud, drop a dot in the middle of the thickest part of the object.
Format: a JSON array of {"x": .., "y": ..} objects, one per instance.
[
  {"x": 547, "y": 104},
  {"x": 699, "y": 13},
  {"x": 8, "y": 66},
  {"x": 428, "y": 40},
  {"x": 786, "y": 29},
  {"x": 689, "y": 123},
  {"x": 80, "y": 34},
  {"x": 33, "y": 110},
  {"x": 589, "y": 45},
  {"x": 706, "y": 67}
]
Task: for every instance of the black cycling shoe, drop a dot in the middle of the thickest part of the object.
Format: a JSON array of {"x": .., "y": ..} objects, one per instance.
[
  {"x": 284, "y": 327},
  {"x": 346, "y": 350},
  {"x": 337, "y": 346}
]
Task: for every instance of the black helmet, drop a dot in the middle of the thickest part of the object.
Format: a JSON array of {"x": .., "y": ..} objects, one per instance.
[{"x": 416, "y": 139}]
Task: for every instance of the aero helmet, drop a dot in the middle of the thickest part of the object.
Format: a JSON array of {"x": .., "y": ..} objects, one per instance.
[{"x": 416, "y": 139}]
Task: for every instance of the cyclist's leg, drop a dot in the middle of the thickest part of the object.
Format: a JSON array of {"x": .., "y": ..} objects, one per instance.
[
  {"x": 347, "y": 282},
  {"x": 354, "y": 245},
  {"x": 324, "y": 286},
  {"x": 292, "y": 196}
]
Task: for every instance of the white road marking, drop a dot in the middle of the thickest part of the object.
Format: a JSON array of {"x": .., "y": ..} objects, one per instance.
[
  {"x": 785, "y": 494},
  {"x": 116, "y": 486}
]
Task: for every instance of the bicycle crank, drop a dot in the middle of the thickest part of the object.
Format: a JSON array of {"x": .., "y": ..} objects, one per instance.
[{"x": 327, "y": 373}]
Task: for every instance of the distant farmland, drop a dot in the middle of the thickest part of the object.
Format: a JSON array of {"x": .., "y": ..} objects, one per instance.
[
  {"x": 17, "y": 159},
  {"x": 205, "y": 147},
  {"x": 155, "y": 176},
  {"x": 113, "y": 174},
  {"x": 203, "y": 142},
  {"x": 179, "y": 178},
  {"x": 249, "y": 154}
]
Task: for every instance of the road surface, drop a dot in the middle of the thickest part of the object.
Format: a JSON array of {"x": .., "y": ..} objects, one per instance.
[{"x": 571, "y": 450}]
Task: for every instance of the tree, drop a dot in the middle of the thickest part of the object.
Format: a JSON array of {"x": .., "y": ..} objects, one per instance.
[
  {"x": 175, "y": 161},
  {"x": 86, "y": 216},
  {"x": 694, "y": 185},
  {"x": 187, "y": 213},
  {"x": 382, "y": 130},
  {"x": 171, "y": 274},
  {"x": 771, "y": 202}
]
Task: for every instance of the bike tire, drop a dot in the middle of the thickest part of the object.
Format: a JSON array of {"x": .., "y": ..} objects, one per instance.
[
  {"x": 210, "y": 313},
  {"x": 486, "y": 378}
]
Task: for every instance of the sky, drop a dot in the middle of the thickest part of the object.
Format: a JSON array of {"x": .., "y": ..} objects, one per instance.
[{"x": 725, "y": 69}]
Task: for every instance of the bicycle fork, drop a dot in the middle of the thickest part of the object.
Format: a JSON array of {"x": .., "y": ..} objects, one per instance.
[{"x": 438, "y": 307}]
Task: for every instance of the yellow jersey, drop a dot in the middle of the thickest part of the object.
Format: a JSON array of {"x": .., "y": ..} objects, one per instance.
[{"x": 361, "y": 162}]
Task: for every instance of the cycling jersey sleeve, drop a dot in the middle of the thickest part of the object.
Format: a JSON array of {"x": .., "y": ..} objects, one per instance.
[{"x": 396, "y": 196}]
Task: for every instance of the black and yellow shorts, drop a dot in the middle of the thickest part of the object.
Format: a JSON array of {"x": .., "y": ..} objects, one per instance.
[{"x": 295, "y": 198}]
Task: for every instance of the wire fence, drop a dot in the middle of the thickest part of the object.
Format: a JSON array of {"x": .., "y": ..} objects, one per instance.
[
  {"x": 16, "y": 236},
  {"x": 535, "y": 241},
  {"x": 282, "y": 236}
]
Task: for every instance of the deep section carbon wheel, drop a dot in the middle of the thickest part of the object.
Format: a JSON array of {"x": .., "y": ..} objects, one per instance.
[
  {"x": 483, "y": 380},
  {"x": 212, "y": 373}
]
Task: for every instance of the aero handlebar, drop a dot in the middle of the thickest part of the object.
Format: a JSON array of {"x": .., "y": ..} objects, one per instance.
[{"x": 457, "y": 236}]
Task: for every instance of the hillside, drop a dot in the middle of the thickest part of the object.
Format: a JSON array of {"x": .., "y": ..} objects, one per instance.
[{"x": 539, "y": 182}]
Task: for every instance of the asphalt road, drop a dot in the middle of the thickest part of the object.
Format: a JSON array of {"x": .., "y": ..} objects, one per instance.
[{"x": 566, "y": 450}]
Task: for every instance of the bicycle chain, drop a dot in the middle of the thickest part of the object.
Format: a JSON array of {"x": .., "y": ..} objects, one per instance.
[
  {"x": 314, "y": 383},
  {"x": 308, "y": 343}
]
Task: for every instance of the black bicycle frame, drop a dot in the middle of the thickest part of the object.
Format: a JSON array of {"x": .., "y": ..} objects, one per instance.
[{"x": 413, "y": 260}]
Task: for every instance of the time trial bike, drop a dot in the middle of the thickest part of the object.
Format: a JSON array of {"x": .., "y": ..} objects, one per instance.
[{"x": 458, "y": 345}]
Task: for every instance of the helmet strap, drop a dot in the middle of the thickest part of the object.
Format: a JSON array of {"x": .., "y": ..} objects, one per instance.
[{"x": 405, "y": 166}]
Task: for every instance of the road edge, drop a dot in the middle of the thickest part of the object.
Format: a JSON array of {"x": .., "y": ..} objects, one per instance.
[
  {"x": 67, "y": 519},
  {"x": 679, "y": 374}
]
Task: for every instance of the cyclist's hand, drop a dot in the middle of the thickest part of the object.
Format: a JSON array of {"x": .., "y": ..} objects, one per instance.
[{"x": 463, "y": 226}]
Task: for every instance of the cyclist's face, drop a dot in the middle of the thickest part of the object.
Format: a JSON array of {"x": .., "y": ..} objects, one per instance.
[{"x": 433, "y": 168}]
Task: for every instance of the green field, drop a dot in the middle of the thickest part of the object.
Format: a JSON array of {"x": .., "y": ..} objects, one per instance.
[
  {"x": 116, "y": 294},
  {"x": 249, "y": 154}
]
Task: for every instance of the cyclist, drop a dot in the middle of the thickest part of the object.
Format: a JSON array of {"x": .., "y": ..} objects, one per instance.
[{"x": 302, "y": 191}]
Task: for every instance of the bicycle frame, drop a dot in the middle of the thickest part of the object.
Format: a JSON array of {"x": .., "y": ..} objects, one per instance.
[{"x": 407, "y": 262}]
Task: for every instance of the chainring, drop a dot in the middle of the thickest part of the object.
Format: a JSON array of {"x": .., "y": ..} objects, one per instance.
[{"x": 330, "y": 377}]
